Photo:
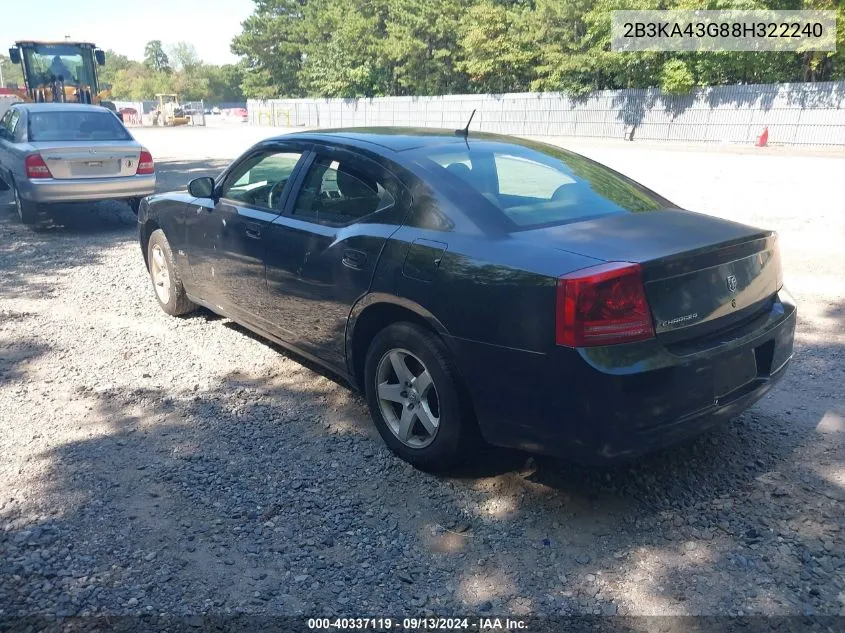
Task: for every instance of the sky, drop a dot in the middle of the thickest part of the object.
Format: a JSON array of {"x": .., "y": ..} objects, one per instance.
[{"x": 126, "y": 27}]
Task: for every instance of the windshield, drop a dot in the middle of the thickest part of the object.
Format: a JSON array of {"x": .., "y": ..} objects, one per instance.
[
  {"x": 67, "y": 62},
  {"x": 538, "y": 187},
  {"x": 76, "y": 126}
]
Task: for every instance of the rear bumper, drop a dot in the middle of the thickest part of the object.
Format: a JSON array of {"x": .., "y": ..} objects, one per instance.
[
  {"x": 85, "y": 189},
  {"x": 618, "y": 402}
]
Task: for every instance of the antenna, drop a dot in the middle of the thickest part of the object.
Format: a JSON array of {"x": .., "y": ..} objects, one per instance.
[{"x": 465, "y": 131}]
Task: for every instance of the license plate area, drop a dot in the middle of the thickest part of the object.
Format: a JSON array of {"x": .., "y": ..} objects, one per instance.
[
  {"x": 733, "y": 372},
  {"x": 94, "y": 168}
]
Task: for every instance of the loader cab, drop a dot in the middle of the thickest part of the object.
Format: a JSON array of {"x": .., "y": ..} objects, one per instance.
[{"x": 59, "y": 71}]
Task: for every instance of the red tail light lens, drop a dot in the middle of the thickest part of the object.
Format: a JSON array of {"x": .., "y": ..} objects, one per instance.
[
  {"x": 602, "y": 305},
  {"x": 146, "y": 165},
  {"x": 36, "y": 167}
]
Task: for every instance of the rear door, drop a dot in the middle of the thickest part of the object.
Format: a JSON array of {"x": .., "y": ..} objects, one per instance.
[
  {"x": 322, "y": 252},
  {"x": 5, "y": 148},
  {"x": 227, "y": 237}
]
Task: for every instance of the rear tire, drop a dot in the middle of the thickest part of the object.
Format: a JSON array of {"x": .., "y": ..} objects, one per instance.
[
  {"x": 134, "y": 204},
  {"x": 28, "y": 211},
  {"x": 420, "y": 410},
  {"x": 164, "y": 274}
]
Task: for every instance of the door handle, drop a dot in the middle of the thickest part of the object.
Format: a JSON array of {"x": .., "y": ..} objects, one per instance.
[
  {"x": 354, "y": 259},
  {"x": 253, "y": 231}
]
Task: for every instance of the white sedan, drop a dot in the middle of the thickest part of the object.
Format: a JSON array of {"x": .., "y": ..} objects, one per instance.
[{"x": 64, "y": 152}]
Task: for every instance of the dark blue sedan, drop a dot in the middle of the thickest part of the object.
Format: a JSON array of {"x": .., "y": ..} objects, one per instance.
[{"x": 484, "y": 286}]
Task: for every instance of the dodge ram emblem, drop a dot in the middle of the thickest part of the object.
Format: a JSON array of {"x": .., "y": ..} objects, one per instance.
[{"x": 731, "y": 281}]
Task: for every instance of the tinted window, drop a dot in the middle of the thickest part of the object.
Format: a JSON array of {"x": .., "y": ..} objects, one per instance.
[
  {"x": 339, "y": 193},
  {"x": 76, "y": 126},
  {"x": 260, "y": 180},
  {"x": 534, "y": 187}
]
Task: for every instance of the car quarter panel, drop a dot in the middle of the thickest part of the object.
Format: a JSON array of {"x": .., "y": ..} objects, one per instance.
[
  {"x": 168, "y": 212},
  {"x": 621, "y": 401}
]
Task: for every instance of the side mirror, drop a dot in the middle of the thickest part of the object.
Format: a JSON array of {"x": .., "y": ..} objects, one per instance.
[
  {"x": 100, "y": 56},
  {"x": 14, "y": 55},
  {"x": 201, "y": 187}
]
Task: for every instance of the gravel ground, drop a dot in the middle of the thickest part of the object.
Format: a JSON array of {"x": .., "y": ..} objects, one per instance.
[{"x": 183, "y": 466}]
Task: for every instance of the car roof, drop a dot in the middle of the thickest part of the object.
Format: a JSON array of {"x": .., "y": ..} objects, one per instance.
[
  {"x": 59, "y": 107},
  {"x": 398, "y": 139}
]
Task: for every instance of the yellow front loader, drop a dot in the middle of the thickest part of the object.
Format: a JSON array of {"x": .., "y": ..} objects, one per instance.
[{"x": 60, "y": 72}]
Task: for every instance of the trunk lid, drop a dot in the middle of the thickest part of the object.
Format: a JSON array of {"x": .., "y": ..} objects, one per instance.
[
  {"x": 702, "y": 274},
  {"x": 70, "y": 160}
]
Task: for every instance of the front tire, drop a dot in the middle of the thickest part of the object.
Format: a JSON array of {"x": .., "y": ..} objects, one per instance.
[
  {"x": 164, "y": 274},
  {"x": 415, "y": 397},
  {"x": 27, "y": 210}
]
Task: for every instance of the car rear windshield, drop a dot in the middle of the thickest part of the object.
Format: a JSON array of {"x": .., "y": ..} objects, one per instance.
[
  {"x": 76, "y": 126},
  {"x": 537, "y": 185}
]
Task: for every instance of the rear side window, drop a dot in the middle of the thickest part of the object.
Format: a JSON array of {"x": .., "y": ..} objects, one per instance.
[
  {"x": 76, "y": 126},
  {"x": 12, "y": 124},
  {"x": 4, "y": 123},
  {"x": 538, "y": 188}
]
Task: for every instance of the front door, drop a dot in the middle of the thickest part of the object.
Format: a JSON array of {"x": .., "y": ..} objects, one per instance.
[
  {"x": 322, "y": 251},
  {"x": 226, "y": 236}
]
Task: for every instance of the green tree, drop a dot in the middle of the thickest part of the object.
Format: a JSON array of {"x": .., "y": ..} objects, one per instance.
[
  {"x": 183, "y": 56},
  {"x": 155, "y": 58},
  {"x": 12, "y": 73},
  {"x": 346, "y": 48},
  {"x": 421, "y": 45},
  {"x": 271, "y": 45},
  {"x": 343, "y": 55},
  {"x": 224, "y": 83},
  {"x": 495, "y": 43},
  {"x": 676, "y": 78},
  {"x": 115, "y": 62}
]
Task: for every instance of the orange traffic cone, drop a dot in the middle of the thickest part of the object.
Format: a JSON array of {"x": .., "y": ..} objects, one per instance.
[{"x": 763, "y": 139}]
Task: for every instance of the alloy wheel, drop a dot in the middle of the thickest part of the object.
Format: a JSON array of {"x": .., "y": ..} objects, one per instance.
[
  {"x": 160, "y": 273},
  {"x": 407, "y": 398}
]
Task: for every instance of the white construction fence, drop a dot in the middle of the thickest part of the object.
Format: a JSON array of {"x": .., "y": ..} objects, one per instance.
[{"x": 794, "y": 114}]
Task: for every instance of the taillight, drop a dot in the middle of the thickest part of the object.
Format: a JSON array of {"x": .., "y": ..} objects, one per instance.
[
  {"x": 36, "y": 167},
  {"x": 146, "y": 165},
  {"x": 602, "y": 305}
]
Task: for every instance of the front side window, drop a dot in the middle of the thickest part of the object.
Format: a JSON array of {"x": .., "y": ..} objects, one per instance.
[
  {"x": 260, "y": 179},
  {"x": 338, "y": 193},
  {"x": 544, "y": 186},
  {"x": 69, "y": 125}
]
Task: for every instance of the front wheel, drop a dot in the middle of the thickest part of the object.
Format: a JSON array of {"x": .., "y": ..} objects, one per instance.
[
  {"x": 415, "y": 398},
  {"x": 165, "y": 276}
]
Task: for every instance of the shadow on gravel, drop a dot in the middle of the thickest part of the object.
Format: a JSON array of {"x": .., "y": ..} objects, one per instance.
[
  {"x": 16, "y": 352},
  {"x": 273, "y": 495}
]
